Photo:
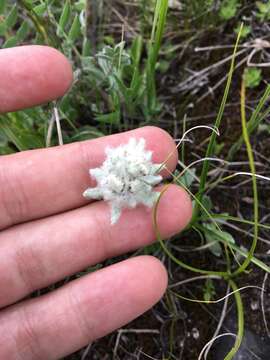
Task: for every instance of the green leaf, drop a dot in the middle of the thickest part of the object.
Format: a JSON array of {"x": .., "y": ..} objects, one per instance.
[
  {"x": 3, "y": 139},
  {"x": 121, "y": 87},
  {"x": 11, "y": 42},
  {"x": 252, "y": 77},
  {"x": 3, "y": 29},
  {"x": 89, "y": 66},
  {"x": 40, "y": 9},
  {"x": 9, "y": 134},
  {"x": 246, "y": 30},
  {"x": 111, "y": 118},
  {"x": 136, "y": 50},
  {"x": 110, "y": 60},
  {"x": 218, "y": 148},
  {"x": 80, "y": 5},
  {"x": 188, "y": 178},
  {"x": 6, "y": 150},
  {"x": 23, "y": 31},
  {"x": 261, "y": 7},
  {"x": 264, "y": 10},
  {"x": 75, "y": 30},
  {"x": 215, "y": 236},
  {"x": 228, "y": 9},
  {"x": 2, "y": 6},
  {"x": 207, "y": 203},
  {"x": 12, "y": 17},
  {"x": 65, "y": 16},
  {"x": 209, "y": 290},
  {"x": 86, "y": 48},
  {"x": 87, "y": 132}
]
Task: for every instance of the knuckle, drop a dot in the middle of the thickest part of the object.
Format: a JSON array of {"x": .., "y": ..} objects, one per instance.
[
  {"x": 6, "y": 213},
  {"x": 27, "y": 338},
  {"x": 83, "y": 153},
  {"x": 29, "y": 267},
  {"x": 103, "y": 234},
  {"x": 12, "y": 195},
  {"x": 77, "y": 307}
]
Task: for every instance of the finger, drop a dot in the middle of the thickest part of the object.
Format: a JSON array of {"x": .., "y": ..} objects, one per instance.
[
  {"x": 47, "y": 250},
  {"x": 32, "y": 75},
  {"x": 43, "y": 182},
  {"x": 62, "y": 322}
]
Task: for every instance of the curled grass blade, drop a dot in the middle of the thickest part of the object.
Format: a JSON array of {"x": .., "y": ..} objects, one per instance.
[
  {"x": 254, "y": 121},
  {"x": 218, "y": 300},
  {"x": 224, "y": 274},
  {"x": 240, "y": 313}
]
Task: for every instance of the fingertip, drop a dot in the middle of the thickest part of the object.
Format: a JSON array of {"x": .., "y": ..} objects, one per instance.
[
  {"x": 56, "y": 69},
  {"x": 154, "y": 278},
  {"x": 63, "y": 69},
  {"x": 32, "y": 75},
  {"x": 163, "y": 147},
  {"x": 161, "y": 144},
  {"x": 174, "y": 210}
]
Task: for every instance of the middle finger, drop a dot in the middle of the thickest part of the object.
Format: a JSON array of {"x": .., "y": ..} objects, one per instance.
[{"x": 37, "y": 254}]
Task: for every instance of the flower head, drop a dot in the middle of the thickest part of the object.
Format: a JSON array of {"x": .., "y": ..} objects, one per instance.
[{"x": 126, "y": 178}]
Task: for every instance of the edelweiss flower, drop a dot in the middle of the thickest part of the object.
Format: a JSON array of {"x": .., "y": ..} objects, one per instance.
[{"x": 126, "y": 178}]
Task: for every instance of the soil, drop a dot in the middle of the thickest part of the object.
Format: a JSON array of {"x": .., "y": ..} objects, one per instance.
[{"x": 181, "y": 328}]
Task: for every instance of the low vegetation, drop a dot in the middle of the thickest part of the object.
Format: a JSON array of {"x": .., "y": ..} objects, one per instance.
[{"x": 198, "y": 69}]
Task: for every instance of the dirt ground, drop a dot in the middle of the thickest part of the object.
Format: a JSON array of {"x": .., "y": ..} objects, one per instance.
[{"x": 174, "y": 328}]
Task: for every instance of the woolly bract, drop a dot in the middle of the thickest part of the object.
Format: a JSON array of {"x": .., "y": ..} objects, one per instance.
[{"x": 126, "y": 178}]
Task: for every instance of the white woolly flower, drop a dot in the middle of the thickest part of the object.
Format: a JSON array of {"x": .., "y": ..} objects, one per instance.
[{"x": 126, "y": 178}]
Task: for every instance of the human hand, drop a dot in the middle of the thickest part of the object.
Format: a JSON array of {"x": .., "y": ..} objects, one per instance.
[{"x": 48, "y": 230}]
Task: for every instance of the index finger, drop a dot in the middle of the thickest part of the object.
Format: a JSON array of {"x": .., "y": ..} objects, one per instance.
[
  {"x": 43, "y": 182},
  {"x": 32, "y": 75}
]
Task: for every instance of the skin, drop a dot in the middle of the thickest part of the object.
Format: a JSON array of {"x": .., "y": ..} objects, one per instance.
[{"x": 48, "y": 230}]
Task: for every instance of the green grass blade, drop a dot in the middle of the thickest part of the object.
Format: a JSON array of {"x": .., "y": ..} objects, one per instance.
[
  {"x": 226, "y": 218},
  {"x": 12, "y": 17},
  {"x": 254, "y": 260},
  {"x": 3, "y": 4},
  {"x": 254, "y": 183},
  {"x": 75, "y": 29},
  {"x": 11, "y": 136},
  {"x": 65, "y": 16},
  {"x": 240, "y": 312},
  {"x": 253, "y": 123},
  {"x": 11, "y": 42},
  {"x": 223, "y": 274},
  {"x": 23, "y": 31},
  {"x": 158, "y": 28},
  {"x": 211, "y": 146}
]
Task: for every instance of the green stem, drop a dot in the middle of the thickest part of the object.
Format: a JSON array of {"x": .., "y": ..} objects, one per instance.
[
  {"x": 37, "y": 21},
  {"x": 210, "y": 148},
  {"x": 232, "y": 218},
  {"x": 158, "y": 28},
  {"x": 223, "y": 274},
  {"x": 254, "y": 183},
  {"x": 240, "y": 311},
  {"x": 253, "y": 123}
]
